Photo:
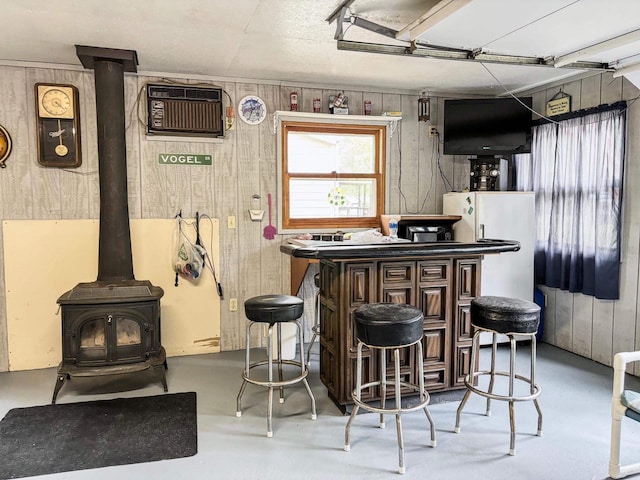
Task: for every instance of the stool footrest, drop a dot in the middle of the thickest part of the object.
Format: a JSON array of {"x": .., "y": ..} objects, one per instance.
[
  {"x": 375, "y": 409},
  {"x": 275, "y": 383},
  {"x": 495, "y": 396}
]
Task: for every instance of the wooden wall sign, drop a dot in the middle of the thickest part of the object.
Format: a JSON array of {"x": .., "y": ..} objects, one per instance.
[{"x": 560, "y": 103}]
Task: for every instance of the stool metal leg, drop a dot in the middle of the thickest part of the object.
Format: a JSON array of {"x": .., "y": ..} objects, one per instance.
[
  {"x": 470, "y": 378},
  {"x": 398, "y": 385},
  {"x": 533, "y": 382},
  {"x": 270, "y": 383},
  {"x": 316, "y": 327},
  {"x": 245, "y": 372},
  {"x": 511, "y": 397},
  {"x": 423, "y": 395},
  {"x": 279, "y": 361},
  {"x": 270, "y": 378},
  {"x": 396, "y": 361},
  {"x": 494, "y": 352},
  {"x": 383, "y": 384},
  {"x": 304, "y": 370},
  {"x": 354, "y": 412},
  {"x": 512, "y": 412}
]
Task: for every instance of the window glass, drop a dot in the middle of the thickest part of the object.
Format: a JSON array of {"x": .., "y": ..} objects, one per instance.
[
  {"x": 313, "y": 198},
  {"x": 331, "y": 152}
]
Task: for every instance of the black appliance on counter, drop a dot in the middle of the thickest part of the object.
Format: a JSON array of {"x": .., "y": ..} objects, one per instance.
[
  {"x": 429, "y": 233},
  {"x": 427, "y": 228},
  {"x": 488, "y": 173}
]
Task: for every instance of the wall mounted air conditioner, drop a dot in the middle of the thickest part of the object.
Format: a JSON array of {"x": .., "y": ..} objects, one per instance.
[{"x": 183, "y": 110}]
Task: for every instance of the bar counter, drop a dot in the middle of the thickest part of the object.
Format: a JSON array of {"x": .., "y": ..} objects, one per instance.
[
  {"x": 315, "y": 249},
  {"x": 439, "y": 278}
]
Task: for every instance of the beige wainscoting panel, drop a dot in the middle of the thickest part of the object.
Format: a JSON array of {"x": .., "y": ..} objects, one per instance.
[{"x": 45, "y": 258}]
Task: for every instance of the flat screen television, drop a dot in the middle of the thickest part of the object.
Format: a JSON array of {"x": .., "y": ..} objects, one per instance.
[{"x": 492, "y": 126}]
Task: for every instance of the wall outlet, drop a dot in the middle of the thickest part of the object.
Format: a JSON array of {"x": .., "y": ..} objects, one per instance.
[
  {"x": 433, "y": 131},
  {"x": 233, "y": 304},
  {"x": 231, "y": 222}
]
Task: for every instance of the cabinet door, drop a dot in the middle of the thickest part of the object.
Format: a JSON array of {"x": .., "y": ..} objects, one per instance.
[
  {"x": 467, "y": 286},
  {"x": 435, "y": 358},
  {"x": 463, "y": 334},
  {"x": 434, "y": 299},
  {"x": 397, "y": 284},
  {"x": 360, "y": 288},
  {"x": 330, "y": 373}
]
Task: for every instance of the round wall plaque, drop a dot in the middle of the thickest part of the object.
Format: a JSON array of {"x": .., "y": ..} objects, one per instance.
[{"x": 252, "y": 110}]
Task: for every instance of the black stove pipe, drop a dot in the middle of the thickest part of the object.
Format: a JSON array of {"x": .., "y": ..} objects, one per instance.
[
  {"x": 114, "y": 252},
  {"x": 115, "y": 263}
]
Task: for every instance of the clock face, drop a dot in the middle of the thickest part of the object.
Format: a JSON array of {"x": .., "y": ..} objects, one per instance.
[
  {"x": 55, "y": 101},
  {"x": 252, "y": 110}
]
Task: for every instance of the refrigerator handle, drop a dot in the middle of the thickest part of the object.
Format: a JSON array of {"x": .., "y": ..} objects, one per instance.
[{"x": 481, "y": 232}]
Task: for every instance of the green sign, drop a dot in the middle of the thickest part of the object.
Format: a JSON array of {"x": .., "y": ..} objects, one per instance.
[{"x": 184, "y": 159}]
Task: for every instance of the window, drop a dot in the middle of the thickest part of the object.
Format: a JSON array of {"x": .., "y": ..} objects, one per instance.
[
  {"x": 331, "y": 175},
  {"x": 576, "y": 169}
]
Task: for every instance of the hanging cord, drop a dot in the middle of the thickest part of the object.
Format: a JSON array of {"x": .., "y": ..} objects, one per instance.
[
  {"x": 445, "y": 180},
  {"x": 178, "y": 218},
  {"x": 208, "y": 261}
]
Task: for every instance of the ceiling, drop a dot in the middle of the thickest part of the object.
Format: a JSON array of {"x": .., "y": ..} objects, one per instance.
[{"x": 291, "y": 41}]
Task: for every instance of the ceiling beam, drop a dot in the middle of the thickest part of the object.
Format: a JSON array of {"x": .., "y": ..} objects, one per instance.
[
  {"x": 597, "y": 48},
  {"x": 437, "y": 13},
  {"x": 334, "y": 14},
  {"x": 374, "y": 27},
  {"x": 626, "y": 70},
  {"x": 460, "y": 55}
]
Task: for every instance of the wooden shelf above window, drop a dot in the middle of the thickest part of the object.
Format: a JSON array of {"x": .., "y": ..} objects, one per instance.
[{"x": 334, "y": 118}]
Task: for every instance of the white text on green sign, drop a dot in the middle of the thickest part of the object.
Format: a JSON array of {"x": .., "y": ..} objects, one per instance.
[{"x": 184, "y": 159}]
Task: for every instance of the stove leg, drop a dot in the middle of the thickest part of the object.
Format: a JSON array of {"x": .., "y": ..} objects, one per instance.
[
  {"x": 59, "y": 383},
  {"x": 160, "y": 370}
]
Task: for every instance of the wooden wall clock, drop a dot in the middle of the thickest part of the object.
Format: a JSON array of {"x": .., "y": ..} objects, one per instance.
[
  {"x": 58, "y": 122},
  {"x": 5, "y": 146}
]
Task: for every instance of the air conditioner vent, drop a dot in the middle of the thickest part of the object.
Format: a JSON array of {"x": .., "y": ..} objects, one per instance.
[{"x": 184, "y": 110}]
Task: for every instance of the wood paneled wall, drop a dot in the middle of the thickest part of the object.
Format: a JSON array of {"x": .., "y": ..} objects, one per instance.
[{"x": 243, "y": 164}]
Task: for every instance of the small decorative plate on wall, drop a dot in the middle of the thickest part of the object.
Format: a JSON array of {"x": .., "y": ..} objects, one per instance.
[
  {"x": 5, "y": 146},
  {"x": 252, "y": 110}
]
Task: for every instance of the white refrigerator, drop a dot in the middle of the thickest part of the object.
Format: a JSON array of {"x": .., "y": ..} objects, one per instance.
[{"x": 503, "y": 216}]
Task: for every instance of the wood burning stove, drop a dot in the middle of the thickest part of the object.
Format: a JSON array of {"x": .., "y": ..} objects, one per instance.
[{"x": 112, "y": 325}]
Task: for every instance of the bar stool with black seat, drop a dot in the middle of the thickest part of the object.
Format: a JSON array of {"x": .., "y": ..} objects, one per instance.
[
  {"x": 274, "y": 310},
  {"x": 514, "y": 318},
  {"x": 389, "y": 326},
  {"x": 316, "y": 318}
]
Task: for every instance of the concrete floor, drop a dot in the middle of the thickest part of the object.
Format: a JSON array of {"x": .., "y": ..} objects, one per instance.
[{"x": 575, "y": 400}]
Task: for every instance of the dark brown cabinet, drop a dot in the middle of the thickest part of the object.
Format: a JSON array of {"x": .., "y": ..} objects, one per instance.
[{"x": 441, "y": 287}]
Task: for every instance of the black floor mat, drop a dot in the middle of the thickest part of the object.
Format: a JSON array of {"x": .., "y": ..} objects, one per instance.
[{"x": 76, "y": 436}]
